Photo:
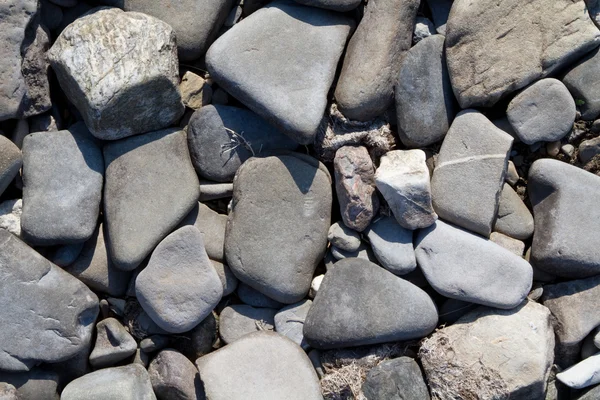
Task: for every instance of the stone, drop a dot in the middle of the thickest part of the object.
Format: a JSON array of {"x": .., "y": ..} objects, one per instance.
[
  {"x": 488, "y": 58},
  {"x": 364, "y": 251},
  {"x": 515, "y": 246},
  {"x": 355, "y": 186},
  {"x": 289, "y": 92},
  {"x": 580, "y": 81},
  {"x": 10, "y": 216},
  {"x": 215, "y": 190},
  {"x": 113, "y": 344},
  {"x": 289, "y": 321},
  {"x": 360, "y": 303},
  {"x": 512, "y": 176},
  {"x": 342, "y": 237},
  {"x": 154, "y": 343},
  {"x": 195, "y": 91},
  {"x": 174, "y": 377},
  {"x": 335, "y": 5},
  {"x": 212, "y": 226},
  {"x": 591, "y": 394},
  {"x": 425, "y": 104},
  {"x": 568, "y": 149},
  {"x": 278, "y": 255},
  {"x": 8, "y": 391},
  {"x": 130, "y": 382},
  {"x": 461, "y": 265},
  {"x": 315, "y": 285},
  {"x": 35, "y": 384},
  {"x": 400, "y": 378},
  {"x": 228, "y": 279},
  {"x": 254, "y": 298},
  {"x": 10, "y": 162},
  {"x": 150, "y": 186},
  {"x": 403, "y": 180},
  {"x": 199, "y": 341},
  {"x": 48, "y": 316},
  {"x": 263, "y": 365},
  {"x": 440, "y": 10},
  {"x": 583, "y": 374},
  {"x": 392, "y": 245},
  {"x": 589, "y": 149},
  {"x": 239, "y": 320},
  {"x": 97, "y": 63},
  {"x": 221, "y": 138},
  {"x": 65, "y": 255},
  {"x": 514, "y": 218},
  {"x": 565, "y": 240},
  {"x": 179, "y": 287},
  {"x": 423, "y": 29},
  {"x": 542, "y": 112},
  {"x": 491, "y": 354},
  {"x": 365, "y": 88},
  {"x": 469, "y": 172}
]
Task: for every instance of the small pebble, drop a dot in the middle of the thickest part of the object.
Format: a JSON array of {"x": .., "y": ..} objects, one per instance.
[{"x": 553, "y": 148}]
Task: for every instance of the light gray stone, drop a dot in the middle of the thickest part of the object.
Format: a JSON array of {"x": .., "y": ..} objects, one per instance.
[
  {"x": 423, "y": 29},
  {"x": 174, "y": 377},
  {"x": 583, "y": 374},
  {"x": 289, "y": 321},
  {"x": 212, "y": 226},
  {"x": 515, "y": 246},
  {"x": 364, "y": 251},
  {"x": 342, "y": 237},
  {"x": 392, "y": 245},
  {"x": 11, "y": 161},
  {"x": 239, "y": 320},
  {"x": 581, "y": 82},
  {"x": 113, "y": 344},
  {"x": 400, "y": 378},
  {"x": 228, "y": 279},
  {"x": 514, "y": 218},
  {"x": 336, "y": 5},
  {"x": 10, "y": 216}
]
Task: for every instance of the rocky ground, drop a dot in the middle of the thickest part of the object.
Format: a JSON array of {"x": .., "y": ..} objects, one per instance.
[{"x": 299, "y": 199}]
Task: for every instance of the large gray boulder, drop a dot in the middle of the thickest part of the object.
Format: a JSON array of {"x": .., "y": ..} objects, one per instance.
[
  {"x": 400, "y": 378},
  {"x": 488, "y": 57},
  {"x": 174, "y": 377},
  {"x": 11, "y": 161},
  {"x": 48, "y": 315},
  {"x": 290, "y": 92},
  {"x": 392, "y": 245},
  {"x": 97, "y": 62},
  {"x": 150, "y": 187},
  {"x": 276, "y": 238},
  {"x": 581, "y": 81}
]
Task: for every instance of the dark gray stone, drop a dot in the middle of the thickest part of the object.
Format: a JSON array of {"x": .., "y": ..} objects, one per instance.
[
  {"x": 343, "y": 238},
  {"x": 154, "y": 343},
  {"x": 212, "y": 226},
  {"x": 255, "y": 298},
  {"x": 400, "y": 378},
  {"x": 174, "y": 377},
  {"x": 360, "y": 303},
  {"x": 199, "y": 341},
  {"x": 37, "y": 384},
  {"x": 364, "y": 251},
  {"x": 514, "y": 218},
  {"x": 589, "y": 149},
  {"x": 113, "y": 344},
  {"x": 592, "y": 394},
  {"x": 239, "y": 320},
  {"x": 581, "y": 81},
  {"x": 228, "y": 279},
  {"x": 392, "y": 245},
  {"x": 335, "y": 5},
  {"x": 289, "y": 322},
  {"x": 10, "y": 162}
]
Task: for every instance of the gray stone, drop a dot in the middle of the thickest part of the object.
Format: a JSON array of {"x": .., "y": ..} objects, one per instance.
[
  {"x": 154, "y": 343},
  {"x": 37, "y": 384},
  {"x": 289, "y": 322},
  {"x": 470, "y": 171},
  {"x": 336, "y": 5},
  {"x": 355, "y": 186},
  {"x": 342, "y": 237},
  {"x": 581, "y": 81},
  {"x": 364, "y": 251},
  {"x": 461, "y": 265},
  {"x": 65, "y": 255},
  {"x": 440, "y": 10},
  {"x": 10, "y": 216},
  {"x": 360, "y": 303},
  {"x": 491, "y": 354},
  {"x": 97, "y": 62},
  {"x": 150, "y": 187},
  {"x": 254, "y": 298},
  {"x": 113, "y": 344},
  {"x": 239, "y": 320},
  {"x": 589, "y": 149},
  {"x": 10, "y": 162},
  {"x": 199, "y": 341},
  {"x": 48, "y": 316},
  {"x": 215, "y": 190},
  {"x": 566, "y": 215},
  {"x": 514, "y": 218},
  {"x": 275, "y": 240},
  {"x": 592, "y": 394},
  {"x": 228, "y": 279},
  {"x": 179, "y": 287},
  {"x": 423, "y": 29},
  {"x": 487, "y": 56},
  {"x": 425, "y": 104},
  {"x": 400, "y": 378},
  {"x": 583, "y": 374},
  {"x": 452, "y": 310},
  {"x": 290, "y": 92},
  {"x": 174, "y": 377},
  {"x": 212, "y": 226},
  {"x": 365, "y": 88},
  {"x": 65, "y": 3},
  {"x": 221, "y": 138},
  {"x": 515, "y": 246},
  {"x": 403, "y": 180},
  {"x": 392, "y": 245},
  {"x": 512, "y": 176},
  {"x": 141, "y": 358},
  {"x": 130, "y": 382}
]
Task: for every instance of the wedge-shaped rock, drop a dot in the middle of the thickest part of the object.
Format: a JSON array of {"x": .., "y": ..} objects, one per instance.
[
  {"x": 566, "y": 216},
  {"x": 113, "y": 344},
  {"x": 238, "y": 320},
  {"x": 120, "y": 70},
  {"x": 360, "y": 303},
  {"x": 514, "y": 218},
  {"x": 174, "y": 377},
  {"x": 150, "y": 187},
  {"x": 48, "y": 316},
  {"x": 289, "y": 91},
  {"x": 11, "y": 161}
]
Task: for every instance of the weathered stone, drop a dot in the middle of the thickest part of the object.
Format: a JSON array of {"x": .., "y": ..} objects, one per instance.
[
  {"x": 392, "y": 245},
  {"x": 400, "y": 378},
  {"x": 424, "y": 28},
  {"x": 212, "y": 226},
  {"x": 10, "y": 216},
  {"x": 195, "y": 91},
  {"x": 113, "y": 344},
  {"x": 342, "y": 237},
  {"x": 364, "y": 251},
  {"x": 174, "y": 377},
  {"x": 10, "y": 162},
  {"x": 36, "y": 384},
  {"x": 581, "y": 82},
  {"x": 239, "y": 320},
  {"x": 8, "y": 391},
  {"x": 514, "y": 218},
  {"x": 336, "y": 5},
  {"x": 289, "y": 321}
]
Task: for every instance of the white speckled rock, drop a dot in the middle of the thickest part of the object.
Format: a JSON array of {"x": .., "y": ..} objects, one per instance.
[{"x": 10, "y": 216}]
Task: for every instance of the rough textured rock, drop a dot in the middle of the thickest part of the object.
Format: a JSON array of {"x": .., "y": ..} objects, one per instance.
[
  {"x": 364, "y": 251},
  {"x": 113, "y": 344},
  {"x": 195, "y": 91},
  {"x": 403, "y": 180},
  {"x": 150, "y": 187},
  {"x": 179, "y": 287},
  {"x": 355, "y": 186},
  {"x": 423, "y": 29},
  {"x": 464, "y": 266},
  {"x": 491, "y": 354},
  {"x": 278, "y": 255},
  {"x": 221, "y": 138},
  {"x": 66, "y": 255},
  {"x": 425, "y": 104},
  {"x": 262, "y": 365},
  {"x": 365, "y": 88},
  {"x": 239, "y": 320},
  {"x": 358, "y": 304},
  {"x": 344, "y": 238},
  {"x": 543, "y": 112},
  {"x": 336, "y": 5},
  {"x": 469, "y": 172},
  {"x": 10, "y": 216},
  {"x": 254, "y": 298},
  {"x": 565, "y": 241},
  {"x": 400, "y": 378},
  {"x": 514, "y": 218},
  {"x": 581, "y": 82},
  {"x": 48, "y": 315},
  {"x": 290, "y": 92},
  {"x": 174, "y": 377},
  {"x": 583, "y": 374},
  {"x": 212, "y": 226},
  {"x": 8, "y": 391},
  {"x": 97, "y": 62},
  {"x": 289, "y": 321},
  {"x": 487, "y": 56},
  {"x": 10, "y": 162},
  {"x": 392, "y": 245}
]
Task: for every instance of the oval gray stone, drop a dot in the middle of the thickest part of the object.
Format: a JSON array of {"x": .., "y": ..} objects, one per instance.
[
  {"x": 400, "y": 378},
  {"x": 212, "y": 226},
  {"x": 392, "y": 245}
]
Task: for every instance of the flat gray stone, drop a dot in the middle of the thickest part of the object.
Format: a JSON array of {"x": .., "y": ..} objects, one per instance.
[
  {"x": 392, "y": 245},
  {"x": 154, "y": 343},
  {"x": 97, "y": 62},
  {"x": 11, "y": 161},
  {"x": 150, "y": 187},
  {"x": 62, "y": 186},
  {"x": 239, "y": 320},
  {"x": 179, "y": 287},
  {"x": 10, "y": 216},
  {"x": 212, "y": 226},
  {"x": 275, "y": 239},
  {"x": 400, "y": 378},
  {"x": 360, "y": 303},
  {"x": 289, "y": 321},
  {"x": 514, "y": 218},
  {"x": 589, "y": 149},
  {"x": 566, "y": 215},
  {"x": 335, "y": 5},
  {"x": 581, "y": 82},
  {"x": 342, "y": 237},
  {"x": 174, "y": 377},
  {"x": 425, "y": 104},
  {"x": 290, "y": 92},
  {"x": 48, "y": 316},
  {"x": 264, "y": 366},
  {"x": 487, "y": 56},
  {"x": 113, "y": 344},
  {"x": 254, "y": 298},
  {"x": 199, "y": 341},
  {"x": 470, "y": 171},
  {"x": 228, "y": 279},
  {"x": 461, "y": 265}
]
